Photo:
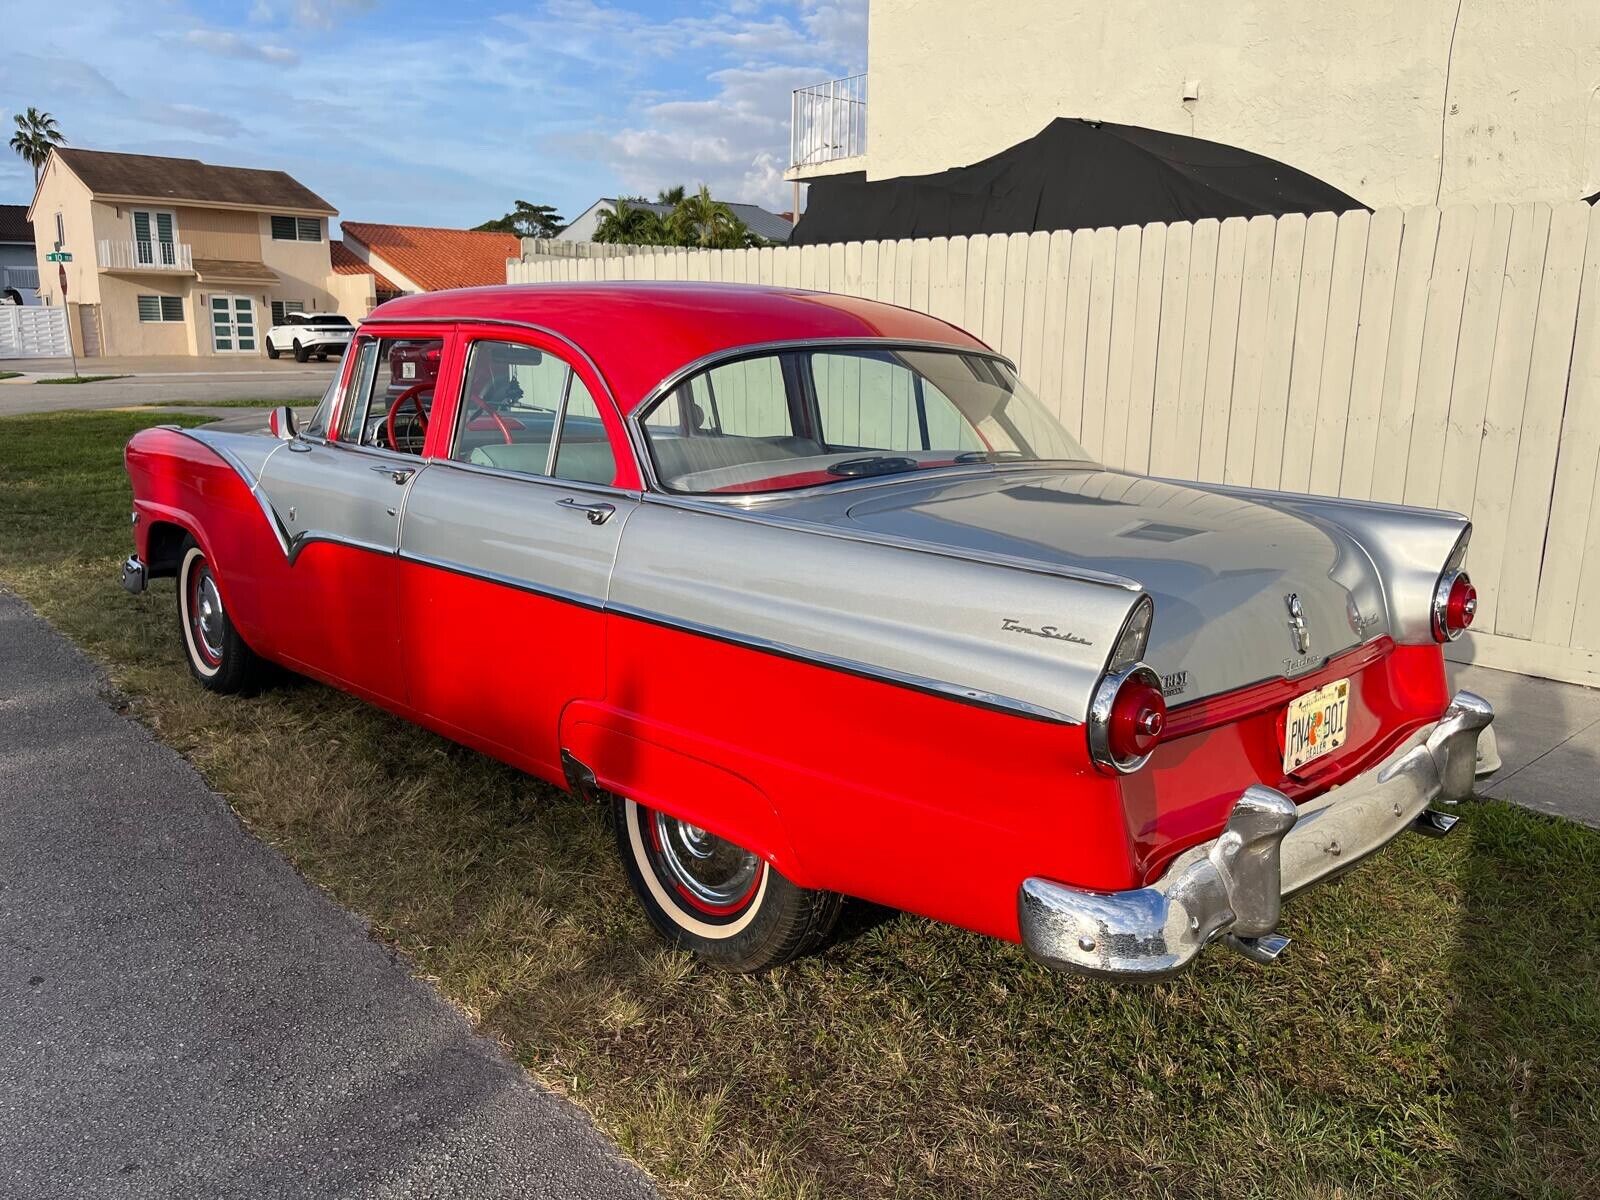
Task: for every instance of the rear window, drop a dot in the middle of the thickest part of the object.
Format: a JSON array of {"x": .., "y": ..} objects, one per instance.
[{"x": 809, "y": 417}]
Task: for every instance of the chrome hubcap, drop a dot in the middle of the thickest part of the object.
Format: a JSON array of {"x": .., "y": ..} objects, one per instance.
[
  {"x": 714, "y": 871},
  {"x": 208, "y": 615}
]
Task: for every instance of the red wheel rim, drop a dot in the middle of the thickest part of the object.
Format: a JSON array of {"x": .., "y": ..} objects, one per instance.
[{"x": 708, "y": 875}]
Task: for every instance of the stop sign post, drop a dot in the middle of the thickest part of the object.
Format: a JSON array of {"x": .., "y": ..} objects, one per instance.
[{"x": 61, "y": 268}]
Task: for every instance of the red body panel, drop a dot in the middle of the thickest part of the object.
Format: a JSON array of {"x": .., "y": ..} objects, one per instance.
[{"x": 858, "y": 785}]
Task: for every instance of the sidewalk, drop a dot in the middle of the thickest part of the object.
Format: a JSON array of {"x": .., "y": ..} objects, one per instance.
[
  {"x": 181, "y": 1014},
  {"x": 1549, "y": 739}
]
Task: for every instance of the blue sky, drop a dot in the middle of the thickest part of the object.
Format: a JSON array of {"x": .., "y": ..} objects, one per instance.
[{"x": 437, "y": 113}]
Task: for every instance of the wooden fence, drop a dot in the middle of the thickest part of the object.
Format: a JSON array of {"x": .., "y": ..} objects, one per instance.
[{"x": 1448, "y": 358}]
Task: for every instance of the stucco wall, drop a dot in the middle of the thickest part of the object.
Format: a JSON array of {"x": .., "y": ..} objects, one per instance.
[
  {"x": 303, "y": 268},
  {"x": 1352, "y": 91},
  {"x": 60, "y": 191}
]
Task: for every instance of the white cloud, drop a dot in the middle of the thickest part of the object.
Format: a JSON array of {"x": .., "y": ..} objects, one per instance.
[{"x": 233, "y": 45}]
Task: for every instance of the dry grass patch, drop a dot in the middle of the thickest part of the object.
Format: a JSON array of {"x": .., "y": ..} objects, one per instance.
[{"x": 1433, "y": 1032}]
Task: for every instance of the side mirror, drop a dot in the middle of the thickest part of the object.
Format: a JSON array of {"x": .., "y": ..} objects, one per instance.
[{"x": 282, "y": 423}]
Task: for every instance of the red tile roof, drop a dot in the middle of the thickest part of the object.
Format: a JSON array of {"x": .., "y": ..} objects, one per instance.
[
  {"x": 346, "y": 263},
  {"x": 436, "y": 259}
]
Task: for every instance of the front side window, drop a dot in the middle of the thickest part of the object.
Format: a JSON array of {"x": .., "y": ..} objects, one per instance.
[
  {"x": 391, "y": 392},
  {"x": 800, "y": 418},
  {"x": 523, "y": 409}
]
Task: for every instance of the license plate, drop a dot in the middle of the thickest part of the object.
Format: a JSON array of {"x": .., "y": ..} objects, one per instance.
[
  {"x": 1316, "y": 724},
  {"x": 408, "y": 370}
]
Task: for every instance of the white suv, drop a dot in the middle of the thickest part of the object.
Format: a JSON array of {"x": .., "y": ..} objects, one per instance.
[{"x": 305, "y": 334}]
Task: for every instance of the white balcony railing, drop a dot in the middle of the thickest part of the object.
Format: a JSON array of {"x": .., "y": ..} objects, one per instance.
[
  {"x": 828, "y": 122},
  {"x": 145, "y": 256}
]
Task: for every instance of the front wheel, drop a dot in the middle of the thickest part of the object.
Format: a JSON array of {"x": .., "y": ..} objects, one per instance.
[
  {"x": 707, "y": 895},
  {"x": 218, "y": 657},
  {"x": 272, "y": 351}
]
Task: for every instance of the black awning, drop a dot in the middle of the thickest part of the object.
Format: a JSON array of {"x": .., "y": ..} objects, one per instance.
[{"x": 1073, "y": 174}]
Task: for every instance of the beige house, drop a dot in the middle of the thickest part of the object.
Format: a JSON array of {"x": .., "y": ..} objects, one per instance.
[
  {"x": 177, "y": 256},
  {"x": 1395, "y": 102}
]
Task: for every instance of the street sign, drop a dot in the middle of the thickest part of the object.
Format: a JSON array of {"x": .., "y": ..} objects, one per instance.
[
  {"x": 63, "y": 271},
  {"x": 58, "y": 256}
]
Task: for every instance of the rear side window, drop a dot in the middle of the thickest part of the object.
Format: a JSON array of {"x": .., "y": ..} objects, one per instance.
[{"x": 524, "y": 409}]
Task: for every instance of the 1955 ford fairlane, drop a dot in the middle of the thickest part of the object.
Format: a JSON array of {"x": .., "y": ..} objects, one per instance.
[{"x": 823, "y": 602}]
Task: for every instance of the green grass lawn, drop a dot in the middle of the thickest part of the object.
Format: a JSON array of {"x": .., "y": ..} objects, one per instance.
[
  {"x": 1433, "y": 1031},
  {"x": 10, "y": 374},
  {"x": 69, "y": 379}
]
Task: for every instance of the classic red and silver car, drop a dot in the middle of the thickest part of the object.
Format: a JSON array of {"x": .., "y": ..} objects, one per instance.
[{"x": 823, "y": 602}]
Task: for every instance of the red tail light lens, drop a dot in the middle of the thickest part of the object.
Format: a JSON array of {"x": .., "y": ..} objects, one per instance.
[
  {"x": 1126, "y": 719},
  {"x": 1455, "y": 603}
]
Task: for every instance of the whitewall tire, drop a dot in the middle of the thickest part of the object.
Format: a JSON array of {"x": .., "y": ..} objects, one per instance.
[{"x": 218, "y": 657}]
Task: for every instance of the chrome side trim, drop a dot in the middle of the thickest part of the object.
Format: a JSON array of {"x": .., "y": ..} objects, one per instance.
[
  {"x": 940, "y": 550},
  {"x": 1233, "y": 887},
  {"x": 576, "y": 485}
]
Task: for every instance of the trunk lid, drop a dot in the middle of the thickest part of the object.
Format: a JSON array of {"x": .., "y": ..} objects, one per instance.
[{"x": 1221, "y": 569}]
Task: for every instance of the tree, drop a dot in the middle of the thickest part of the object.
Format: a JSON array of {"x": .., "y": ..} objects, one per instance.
[
  {"x": 525, "y": 220},
  {"x": 631, "y": 226},
  {"x": 698, "y": 220},
  {"x": 36, "y": 134},
  {"x": 672, "y": 195}
]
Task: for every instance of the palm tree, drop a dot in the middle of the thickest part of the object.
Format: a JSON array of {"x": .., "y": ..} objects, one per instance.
[
  {"x": 698, "y": 220},
  {"x": 629, "y": 226},
  {"x": 672, "y": 196},
  {"x": 36, "y": 134}
]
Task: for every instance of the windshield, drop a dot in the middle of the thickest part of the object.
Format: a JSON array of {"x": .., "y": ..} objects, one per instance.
[{"x": 798, "y": 418}]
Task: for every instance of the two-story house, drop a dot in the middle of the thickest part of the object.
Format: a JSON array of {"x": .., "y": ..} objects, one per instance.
[{"x": 177, "y": 256}]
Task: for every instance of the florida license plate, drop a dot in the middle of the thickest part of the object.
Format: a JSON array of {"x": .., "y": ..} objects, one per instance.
[{"x": 1316, "y": 724}]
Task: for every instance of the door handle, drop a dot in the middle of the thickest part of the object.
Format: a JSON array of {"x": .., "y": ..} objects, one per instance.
[
  {"x": 598, "y": 514},
  {"x": 398, "y": 474}
]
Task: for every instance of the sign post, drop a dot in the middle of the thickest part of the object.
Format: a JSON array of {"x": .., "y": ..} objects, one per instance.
[{"x": 62, "y": 269}]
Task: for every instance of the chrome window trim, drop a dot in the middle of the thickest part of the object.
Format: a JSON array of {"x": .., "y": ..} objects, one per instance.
[
  {"x": 892, "y": 541},
  {"x": 550, "y": 481}
]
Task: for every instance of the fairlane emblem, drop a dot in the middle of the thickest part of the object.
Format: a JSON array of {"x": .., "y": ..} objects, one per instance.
[
  {"x": 1011, "y": 625},
  {"x": 1297, "y": 623}
]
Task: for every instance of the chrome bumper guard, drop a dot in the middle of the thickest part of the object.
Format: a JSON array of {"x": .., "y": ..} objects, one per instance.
[
  {"x": 1233, "y": 887},
  {"x": 134, "y": 577}
]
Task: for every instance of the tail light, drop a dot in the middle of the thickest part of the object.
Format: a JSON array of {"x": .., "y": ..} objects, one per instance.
[
  {"x": 1455, "y": 603},
  {"x": 1128, "y": 713}
]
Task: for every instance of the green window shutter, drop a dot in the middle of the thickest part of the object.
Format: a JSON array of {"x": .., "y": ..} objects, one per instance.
[
  {"x": 277, "y": 312},
  {"x": 310, "y": 229},
  {"x": 283, "y": 229},
  {"x": 172, "y": 308},
  {"x": 149, "y": 308},
  {"x": 164, "y": 228},
  {"x": 141, "y": 226}
]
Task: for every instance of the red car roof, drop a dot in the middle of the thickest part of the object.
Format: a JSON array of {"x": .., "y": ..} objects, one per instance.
[{"x": 638, "y": 333}]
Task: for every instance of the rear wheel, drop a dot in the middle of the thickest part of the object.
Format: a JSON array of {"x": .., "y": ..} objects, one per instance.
[
  {"x": 300, "y": 352},
  {"x": 218, "y": 657},
  {"x": 705, "y": 894}
]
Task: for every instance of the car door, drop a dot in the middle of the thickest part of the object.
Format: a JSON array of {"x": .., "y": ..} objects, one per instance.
[
  {"x": 339, "y": 495},
  {"x": 508, "y": 543}
]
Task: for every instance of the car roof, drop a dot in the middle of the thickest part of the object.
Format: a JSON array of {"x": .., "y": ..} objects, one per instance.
[{"x": 639, "y": 333}]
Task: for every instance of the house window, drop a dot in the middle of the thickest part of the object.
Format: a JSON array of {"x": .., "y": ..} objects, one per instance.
[
  {"x": 160, "y": 308},
  {"x": 282, "y": 308},
  {"x": 154, "y": 238},
  {"x": 61, "y": 232},
  {"x": 296, "y": 229}
]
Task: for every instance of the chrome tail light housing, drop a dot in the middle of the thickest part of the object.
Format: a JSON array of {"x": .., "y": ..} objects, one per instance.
[
  {"x": 1128, "y": 713},
  {"x": 1455, "y": 604}
]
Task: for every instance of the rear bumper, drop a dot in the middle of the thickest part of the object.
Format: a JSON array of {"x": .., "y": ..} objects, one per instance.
[{"x": 1233, "y": 887}]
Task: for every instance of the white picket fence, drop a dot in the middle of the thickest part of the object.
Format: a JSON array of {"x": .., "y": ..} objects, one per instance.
[
  {"x": 31, "y": 331},
  {"x": 1436, "y": 357}
]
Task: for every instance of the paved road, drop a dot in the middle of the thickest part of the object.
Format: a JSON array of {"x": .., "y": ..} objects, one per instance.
[
  {"x": 181, "y": 1014},
  {"x": 158, "y": 381}
]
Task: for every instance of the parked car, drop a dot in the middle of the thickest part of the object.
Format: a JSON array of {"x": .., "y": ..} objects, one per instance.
[
  {"x": 823, "y": 602},
  {"x": 307, "y": 334}
]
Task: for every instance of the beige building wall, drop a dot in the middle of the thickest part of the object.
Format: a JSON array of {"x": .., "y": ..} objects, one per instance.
[
  {"x": 304, "y": 268},
  {"x": 1351, "y": 91},
  {"x": 354, "y": 296},
  {"x": 60, "y": 191}
]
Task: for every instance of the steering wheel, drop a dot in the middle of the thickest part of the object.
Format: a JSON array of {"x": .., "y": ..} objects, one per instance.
[
  {"x": 413, "y": 394},
  {"x": 493, "y": 414}
]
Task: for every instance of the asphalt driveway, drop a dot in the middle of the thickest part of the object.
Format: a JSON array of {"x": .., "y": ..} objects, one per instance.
[{"x": 182, "y": 1014}]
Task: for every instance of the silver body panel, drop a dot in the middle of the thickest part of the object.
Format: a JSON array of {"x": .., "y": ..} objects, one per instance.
[{"x": 1004, "y": 586}]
